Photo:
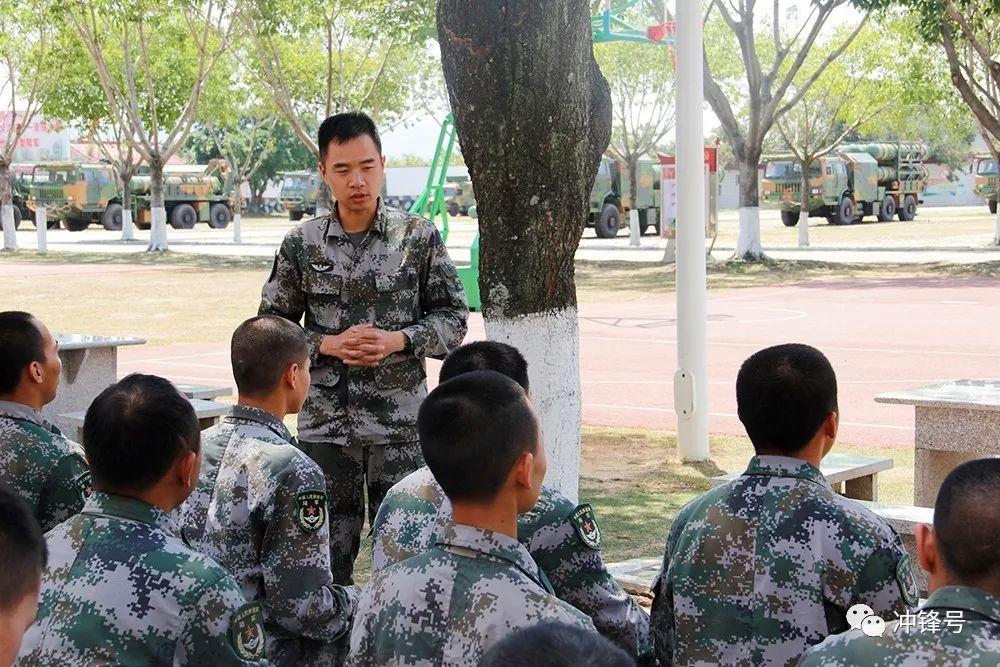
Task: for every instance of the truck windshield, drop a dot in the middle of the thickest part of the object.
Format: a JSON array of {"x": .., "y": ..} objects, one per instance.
[
  {"x": 786, "y": 169},
  {"x": 53, "y": 175},
  {"x": 987, "y": 168},
  {"x": 295, "y": 182}
]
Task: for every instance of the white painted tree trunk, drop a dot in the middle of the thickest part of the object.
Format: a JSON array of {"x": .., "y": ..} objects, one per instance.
[
  {"x": 158, "y": 230},
  {"x": 550, "y": 342},
  {"x": 670, "y": 254},
  {"x": 9, "y": 233},
  {"x": 42, "y": 228},
  {"x": 996, "y": 239},
  {"x": 803, "y": 229},
  {"x": 634, "y": 233},
  {"x": 128, "y": 229},
  {"x": 238, "y": 228},
  {"x": 748, "y": 241}
]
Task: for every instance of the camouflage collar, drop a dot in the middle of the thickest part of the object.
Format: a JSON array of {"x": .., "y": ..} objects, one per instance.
[
  {"x": 23, "y": 412},
  {"x": 130, "y": 509},
  {"x": 965, "y": 597},
  {"x": 334, "y": 228},
  {"x": 262, "y": 417},
  {"x": 488, "y": 543},
  {"x": 786, "y": 466}
]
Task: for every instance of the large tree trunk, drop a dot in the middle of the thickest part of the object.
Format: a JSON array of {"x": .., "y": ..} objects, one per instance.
[
  {"x": 128, "y": 229},
  {"x": 806, "y": 200},
  {"x": 158, "y": 211},
  {"x": 748, "y": 245},
  {"x": 7, "y": 208},
  {"x": 533, "y": 115}
]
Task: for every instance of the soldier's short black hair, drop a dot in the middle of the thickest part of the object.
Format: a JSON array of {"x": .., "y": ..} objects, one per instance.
[
  {"x": 21, "y": 343},
  {"x": 135, "y": 430},
  {"x": 783, "y": 394},
  {"x": 486, "y": 355},
  {"x": 472, "y": 430},
  {"x": 553, "y": 644},
  {"x": 967, "y": 522},
  {"x": 22, "y": 549},
  {"x": 262, "y": 349},
  {"x": 344, "y": 127}
]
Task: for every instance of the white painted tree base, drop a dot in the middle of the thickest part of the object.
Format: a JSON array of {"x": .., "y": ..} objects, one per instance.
[
  {"x": 42, "y": 229},
  {"x": 9, "y": 233},
  {"x": 128, "y": 229},
  {"x": 996, "y": 239},
  {"x": 748, "y": 242},
  {"x": 670, "y": 254},
  {"x": 158, "y": 231},
  {"x": 238, "y": 229},
  {"x": 550, "y": 342},
  {"x": 803, "y": 229}
]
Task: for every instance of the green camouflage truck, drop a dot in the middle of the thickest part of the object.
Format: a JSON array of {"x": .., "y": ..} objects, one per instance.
[
  {"x": 19, "y": 198},
  {"x": 76, "y": 194},
  {"x": 460, "y": 195},
  {"x": 854, "y": 181},
  {"x": 987, "y": 180},
  {"x": 299, "y": 191},
  {"x": 610, "y": 200},
  {"x": 191, "y": 194}
]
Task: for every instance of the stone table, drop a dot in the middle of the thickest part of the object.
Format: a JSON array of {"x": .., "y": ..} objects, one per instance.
[
  {"x": 954, "y": 422},
  {"x": 89, "y": 365}
]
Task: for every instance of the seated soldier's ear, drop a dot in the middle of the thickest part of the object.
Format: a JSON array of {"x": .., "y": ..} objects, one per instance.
[
  {"x": 524, "y": 469},
  {"x": 926, "y": 547},
  {"x": 292, "y": 375},
  {"x": 187, "y": 469},
  {"x": 831, "y": 425}
]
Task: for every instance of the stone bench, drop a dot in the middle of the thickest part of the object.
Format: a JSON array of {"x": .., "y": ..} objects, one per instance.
[
  {"x": 850, "y": 475},
  {"x": 209, "y": 413},
  {"x": 204, "y": 391}
]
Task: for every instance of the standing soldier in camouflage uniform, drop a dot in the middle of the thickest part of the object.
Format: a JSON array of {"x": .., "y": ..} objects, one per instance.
[
  {"x": 46, "y": 468},
  {"x": 477, "y": 584},
  {"x": 563, "y": 538},
  {"x": 379, "y": 295},
  {"x": 960, "y": 622},
  {"x": 760, "y": 569},
  {"x": 260, "y": 507},
  {"x": 121, "y": 586}
]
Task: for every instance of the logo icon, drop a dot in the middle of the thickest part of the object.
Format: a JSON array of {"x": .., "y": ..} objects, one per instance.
[
  {"x": 857, "y": 614},
  {"x": 873, "y": 626}
]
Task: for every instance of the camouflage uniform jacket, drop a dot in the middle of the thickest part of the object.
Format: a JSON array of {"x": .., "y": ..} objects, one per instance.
[
  {"x": 121, "y": 588},
  {"x": 260, "y": 509},
  {"x": 967, "y": 632},
  {"x": 567, "y": 553},
  {"x": 448, "y": 605},
  {"x": 46, "y": 468},
  {"x": 399, "y": 278},
  {"x": 759, "y": 569}
]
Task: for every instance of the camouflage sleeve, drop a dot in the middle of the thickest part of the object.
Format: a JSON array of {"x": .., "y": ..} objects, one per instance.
[
  {"x": 442, "y": 300},
  {"x": 570, "y": 556},
  {"x": 300, "y": 595},
  {"x": 282, "y": 293},
  {"x": 661, "y": 618},
  {"x": 885, "y": 582},
  {"x": 222, "y": 629},
  {"x": 65, "y": 491}
]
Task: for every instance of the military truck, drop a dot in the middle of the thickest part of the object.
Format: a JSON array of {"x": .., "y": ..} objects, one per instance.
[
  {"x": 76, "y": 194},
  {"x": 610, "y": 199},
  {"x": 460, "y": 195},
  {"x": 191, "y": 194},
  {"x": 299, "y": 190},
  {"x": 854, "y": 181},
  {"x": 987, "y": 180},
  {"x": 19, "y": 198}
]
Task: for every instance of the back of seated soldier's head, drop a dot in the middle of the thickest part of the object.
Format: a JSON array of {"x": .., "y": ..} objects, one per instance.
[
  {"x": 784, "y": 395},
  {"x": 270, "y": 354},
  {"x": 23, "y": 557},
  {"x": 555, "y": 645},
  {"x": 478, "y": 435},
  {"x": 141, "y": 432},
  {"x": 964, "y": 547},
  {"x": 486, "y": 355},
  {"x": 29, "y": 358}
]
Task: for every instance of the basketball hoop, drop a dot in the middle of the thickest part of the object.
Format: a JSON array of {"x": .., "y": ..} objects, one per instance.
[{"x": 656, "y": 33}]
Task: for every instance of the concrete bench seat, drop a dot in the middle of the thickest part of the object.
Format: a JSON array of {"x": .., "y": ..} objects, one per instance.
[
  {"x": 209, "y": 414},
  {"x": 851, "y": 475},
  {"x": 204, "y": 391}
]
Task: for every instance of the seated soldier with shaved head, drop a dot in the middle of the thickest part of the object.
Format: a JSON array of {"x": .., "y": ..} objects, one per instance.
[{"x": 23, "y": 553}]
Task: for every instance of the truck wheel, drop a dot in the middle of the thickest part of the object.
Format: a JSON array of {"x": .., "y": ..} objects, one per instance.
[
  {"x": 887, "y": 209},
  {"x": 52, "y": 224},
  {"x": 295, "y": 216},
  {"x": 453, "y": 209},
  {"x": 993, "y": 206},
  {"x": 789, "y": 218},
  {"x": 112, "y": 217},
  {"x": 77, "y": 225},
  {"x": 609, "y": 223},
  {"x": 218, "y": 216},
  {"x": 183, "y": 216},
  {"x": 909, "y": 209},
  {"x": 845, "y": 212}
]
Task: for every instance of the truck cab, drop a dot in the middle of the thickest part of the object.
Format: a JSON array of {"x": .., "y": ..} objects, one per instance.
[
  {"x": 299, "y": 190},
  {"x": 611, "y": 197},
  {"x": 76, "y": 194},
  {"x": 987, "y": 180}
]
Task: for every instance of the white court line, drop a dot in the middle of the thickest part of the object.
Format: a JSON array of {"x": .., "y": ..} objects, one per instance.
[
  {"x": 197, "y": 379},
  {"x": 643, "y": 408},
  {"x": 173, "y": 363},
  {"x": 180, "y": 356}
]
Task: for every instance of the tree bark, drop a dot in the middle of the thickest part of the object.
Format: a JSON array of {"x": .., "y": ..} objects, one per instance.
[{"x": 533, "y": 115}]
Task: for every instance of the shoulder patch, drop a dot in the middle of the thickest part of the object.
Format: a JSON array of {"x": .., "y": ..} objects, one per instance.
[
  {"x": 906, "y": 581},
  {"x": 585, "y": 523},
  {"x": 246, "y": 632},
  {"x": 310, "y": 510},
  {"x": 83, "y": 484}
]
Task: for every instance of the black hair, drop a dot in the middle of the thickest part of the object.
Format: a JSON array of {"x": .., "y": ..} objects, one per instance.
[
  {"x": 783, "y": 395},
  {"x": 21, "y": 343},
  {"x": 486, "y": 355},
  {"x": 553, "y": 644},
  {"x": 262, "y": 349},
  {"x": 135, "y": 430},
  {"x": 967, "y": 521},
  {"x": 22, "y": 549},
  {"x": 344, "y": 127},
  {"x": 472, "y": 430}
]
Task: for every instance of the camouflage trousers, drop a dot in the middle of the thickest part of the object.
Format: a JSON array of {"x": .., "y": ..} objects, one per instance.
[{"x": 352, "y": 472}]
